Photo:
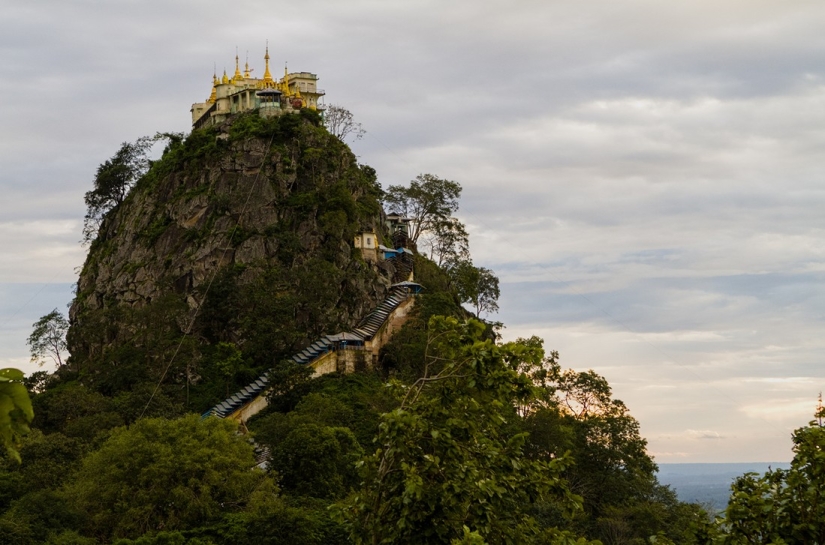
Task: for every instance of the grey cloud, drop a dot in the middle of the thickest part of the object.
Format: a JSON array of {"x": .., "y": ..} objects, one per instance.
[
  {"x": 673, "y": 303},
  {"x": 705, "y": 434}
]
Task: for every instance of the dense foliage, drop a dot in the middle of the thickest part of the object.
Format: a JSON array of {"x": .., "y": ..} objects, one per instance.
[
  {"x": 454, "y": 438},
  {"x": 479, "y": 442},
  {"x": 448, "y": 457},
  {"x": 783, "y": 506}
]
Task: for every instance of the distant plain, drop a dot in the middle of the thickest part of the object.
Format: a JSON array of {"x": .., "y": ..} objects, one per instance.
[{"x": 709, "y": 484}]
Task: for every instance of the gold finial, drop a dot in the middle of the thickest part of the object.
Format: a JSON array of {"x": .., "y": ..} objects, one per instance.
[
  {"x": 214, "y": 96},
  {"x": 267, "y": 74},
  {"x": 246, "y": 67},
  {"x": 285, "y": 82},
  {"x": 224, "y": 79},
  {"x": 237, "y": 75}
]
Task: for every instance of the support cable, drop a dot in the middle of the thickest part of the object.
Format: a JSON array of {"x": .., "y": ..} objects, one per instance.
[{"x": 214, "y": 274}]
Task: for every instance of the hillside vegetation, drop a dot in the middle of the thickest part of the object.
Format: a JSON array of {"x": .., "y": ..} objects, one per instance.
[
  {"x": 226, "y": 256},
  {"x": 246, "y": 228}
]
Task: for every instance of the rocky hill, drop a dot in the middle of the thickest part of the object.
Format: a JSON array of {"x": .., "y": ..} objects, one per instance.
[{"x": 245, "y": 228}]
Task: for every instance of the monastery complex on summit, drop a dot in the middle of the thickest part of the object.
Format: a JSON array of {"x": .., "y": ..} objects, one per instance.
[{"x": 242, "y": 93}]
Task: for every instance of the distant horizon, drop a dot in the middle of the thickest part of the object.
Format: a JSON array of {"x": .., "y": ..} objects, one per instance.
[
  {"x": 708, "y": 483},
  {"x": 720, "y": 463}
]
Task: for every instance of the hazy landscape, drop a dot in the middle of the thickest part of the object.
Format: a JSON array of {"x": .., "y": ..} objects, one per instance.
[{"x": 708, "y": 484}]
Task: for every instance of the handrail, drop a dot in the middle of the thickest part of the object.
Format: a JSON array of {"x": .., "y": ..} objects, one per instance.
[{"x": 244, "y": 396}]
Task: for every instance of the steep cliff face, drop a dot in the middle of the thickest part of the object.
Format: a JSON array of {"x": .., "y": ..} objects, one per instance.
[{"x": 248, "y": 228}]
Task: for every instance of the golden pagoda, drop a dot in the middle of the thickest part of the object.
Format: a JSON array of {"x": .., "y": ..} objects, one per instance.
[{"x": 242, "y": 93}]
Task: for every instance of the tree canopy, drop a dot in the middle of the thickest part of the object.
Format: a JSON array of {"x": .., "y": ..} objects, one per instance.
[
  {"x": 448, "y": 242},
  {"x": 48, "y": 338},
  {"x": 429, "y": 202},
  {"x": 783, "y": 505},
  {"x": 116, "y": 176},
  {"x": 113, "y": 180},
  {"x": 341, "y": 123},
  {"x": 161, "y": 474},
  {"x": 447, "y": 463},
  {"x": 476, "y": 286}
]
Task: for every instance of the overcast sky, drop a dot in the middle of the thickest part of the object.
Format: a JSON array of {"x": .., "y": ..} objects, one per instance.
[{"x": 646, "y": 177}]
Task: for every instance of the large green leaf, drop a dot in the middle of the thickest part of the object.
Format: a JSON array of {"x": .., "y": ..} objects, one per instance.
[{"x": 15, "y": 410}]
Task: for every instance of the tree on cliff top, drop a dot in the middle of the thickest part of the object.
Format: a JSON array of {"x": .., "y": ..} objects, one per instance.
[
  {"x": 113, "y": 180},
  {"x": 116, "y": 177},
  {"x": 429, "y": 201},
  {"x": 341, "y": 123}
]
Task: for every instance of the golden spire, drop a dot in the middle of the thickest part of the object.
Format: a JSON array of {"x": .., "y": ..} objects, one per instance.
[
  {"x": 214, "y": 96},
  {"x": 267, "y": 74},
  {"x": 285, "y": 82},
  {"x": 237, "y": 75},
  {"x": 246, "y": 67},
  {"x": 224, "y": 79}
]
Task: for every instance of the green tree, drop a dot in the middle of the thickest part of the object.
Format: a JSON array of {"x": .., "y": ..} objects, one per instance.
[
  {"x": 163, "y": 475},
  {"x": 447, "y": 458},
  {"x": 38, "y": 381},
  {"x": 113, "y": 180},
  {"x": 476, "y": 286},
  {"x": 47, "y": 461},
  {"x": 782, "y": 506},
  {"x": 575, "y": 412},
  {"x": 448, "y": 242},
  {"x": 341, "y": 123},
  {"x": 429, "y": 201},
  {"x": 317, "y": 461},
  {"x": 228, "y": 361},
  {"x": 36, "y": 517},
  {"x": 48, "y": 339},
  {"x": 31, "y": 508}
]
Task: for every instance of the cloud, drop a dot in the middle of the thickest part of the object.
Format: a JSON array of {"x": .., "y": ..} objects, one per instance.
[
  {"x": 704, "y": 434},
  {"x": 40, "y": 250},
  {"x": 782, "y": 409},
  {"x": 677, "y": 455}
]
